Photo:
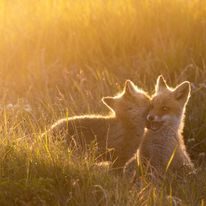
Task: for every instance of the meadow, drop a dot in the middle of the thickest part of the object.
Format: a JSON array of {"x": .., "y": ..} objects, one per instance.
[{"x": 59, "y": 58}]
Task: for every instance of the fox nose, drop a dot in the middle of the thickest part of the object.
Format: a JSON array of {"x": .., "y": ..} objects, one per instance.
[{"x": 150, "y": 117}]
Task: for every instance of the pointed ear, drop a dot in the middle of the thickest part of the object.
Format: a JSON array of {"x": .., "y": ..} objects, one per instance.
[
  {"x": 160, "y": 84},
  {"x": 129, "y": 87},
  {"x": 182, "y": 91},
  {"x": 109, "y": 102}
]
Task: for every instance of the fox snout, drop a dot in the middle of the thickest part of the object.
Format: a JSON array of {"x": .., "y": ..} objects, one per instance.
[
  {"x": 154, "y": 122},
  {"x": 150, "y": 117}
]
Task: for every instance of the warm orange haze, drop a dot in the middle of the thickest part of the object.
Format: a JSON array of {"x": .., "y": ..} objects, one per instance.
[{"x": 58, "y": 59}]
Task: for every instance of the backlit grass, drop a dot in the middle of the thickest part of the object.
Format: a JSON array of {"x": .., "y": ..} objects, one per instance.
[{"x": 60, "y": 58}]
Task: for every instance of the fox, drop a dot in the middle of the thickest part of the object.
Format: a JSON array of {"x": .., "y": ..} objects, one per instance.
[
  {"x": 120, "y": 131},
  {"x": 162, "y": 149}
]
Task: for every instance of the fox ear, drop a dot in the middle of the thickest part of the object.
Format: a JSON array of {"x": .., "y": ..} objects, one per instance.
[
  {"x": 182, "y": 91},
  {"x": 160, "y": 84},
  {"x": 109, "y": 102},
  {"x": 129, "y": 87}
]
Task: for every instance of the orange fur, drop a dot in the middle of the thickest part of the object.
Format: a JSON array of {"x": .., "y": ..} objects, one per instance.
[
  {"x": 162, "y": 147},
  {"x": 121, "y": 131},
  {"x": 166, "y": 142}
]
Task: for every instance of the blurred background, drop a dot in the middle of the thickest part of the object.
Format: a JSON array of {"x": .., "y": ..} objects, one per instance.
[{"x": 60, "y": 57}]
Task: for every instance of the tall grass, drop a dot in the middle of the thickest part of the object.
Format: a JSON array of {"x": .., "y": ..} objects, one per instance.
[{"x": 60, "y": 58}]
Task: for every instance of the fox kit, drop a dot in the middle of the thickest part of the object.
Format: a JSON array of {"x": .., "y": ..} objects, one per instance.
[
  {"x": 162, "y": 146},
  {"x": 120, "y": 131}
]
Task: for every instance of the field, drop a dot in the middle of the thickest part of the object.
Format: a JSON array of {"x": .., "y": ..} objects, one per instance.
[{"x": 59, "y": 58}]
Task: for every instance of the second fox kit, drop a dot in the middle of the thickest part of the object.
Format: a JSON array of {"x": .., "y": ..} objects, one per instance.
[
  {"x": 163, "y": 147},
  {"x": 121, "y": 131}
]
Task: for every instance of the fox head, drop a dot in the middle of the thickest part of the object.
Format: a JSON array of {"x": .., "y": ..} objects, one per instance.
[
  {"x": 132, "y": 104},
  {"x": 168, "y": 104}
]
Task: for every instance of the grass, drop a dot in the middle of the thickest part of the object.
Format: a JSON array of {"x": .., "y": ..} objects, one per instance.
[{"x": 60, "y": 58}]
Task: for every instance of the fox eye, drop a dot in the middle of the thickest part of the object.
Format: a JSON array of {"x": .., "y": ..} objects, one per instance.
[{"x": 164, "y": 108}]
